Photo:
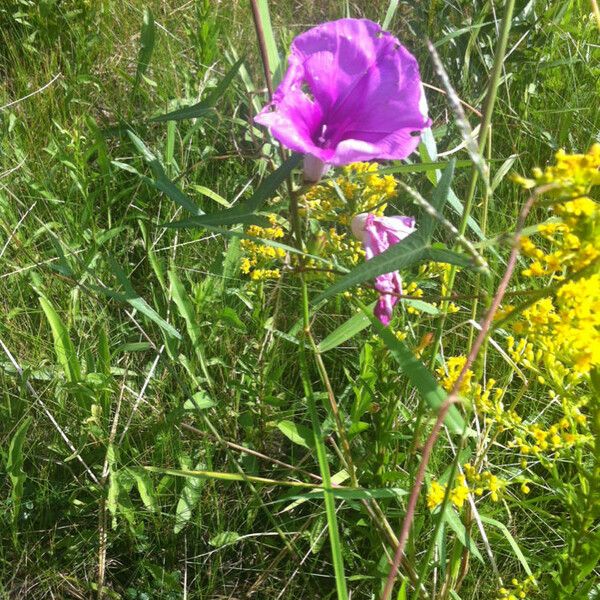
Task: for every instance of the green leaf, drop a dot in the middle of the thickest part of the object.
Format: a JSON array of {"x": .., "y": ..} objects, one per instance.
[
  {"x": 299, "y": 434},
  {"x": 14, "y": 466},
  {"x": 410, "y": 251},
  {"x": 459, "y": 529},
  {"x": 511, "y": 540},
  {"x": 145, "y": 488},
  {"x": 244, "y": 213},
  {"x": 438, "y": 199},
  {"x": 161, "y": 181},
  {"x": 224, "y": 539},
  {"x": 130, "y": 296},
  {"x": 146, "y": 47},
  {"x": 272, "y": 53},
  {"x": 188, "y": 499},
  {"x": 389, "y": 15},
  {"x": 186, "y": 310},
  {"x": 421, "y": 306},
  {"x": 206, "y": 106},
  {"x": 65, "y": 351},
  {"x": 344, "y": 332},
  {"x": 199, "y": 401},
  {"x": 418, "y": 375}
]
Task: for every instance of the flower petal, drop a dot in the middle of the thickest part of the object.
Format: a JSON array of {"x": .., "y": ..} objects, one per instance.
[{"x": 352, "y": 92}]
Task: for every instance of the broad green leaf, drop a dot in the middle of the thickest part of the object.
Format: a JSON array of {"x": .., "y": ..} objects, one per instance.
[
  {"x": 146, "y": 47},
  {"x": 199, "y": 401},
  {"x": 344, "y": 332},
  {"x": 145, "y": 488},
  {"x": 418, "y": 375},
  {"x": 298, "y": 434},
  {"x": 244, "y": 213},
  {"x": 206, "y": 106},
  {"x": 14, "y": 466},
  {"x": 188, "y": 500},
  {"x": 459, "y": 529},
  {"x": 65, "y": 351},
  {"x": 161, "y": 181},
  {"x": 224, "y": 539}
]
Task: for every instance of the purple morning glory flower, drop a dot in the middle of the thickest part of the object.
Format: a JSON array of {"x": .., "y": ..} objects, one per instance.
[
  {"x": 378, "y": 234},
  {"x": 351, "y": 93}
]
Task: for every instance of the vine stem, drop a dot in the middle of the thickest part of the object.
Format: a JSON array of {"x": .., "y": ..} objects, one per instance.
[{"x": 452, "y": 397}]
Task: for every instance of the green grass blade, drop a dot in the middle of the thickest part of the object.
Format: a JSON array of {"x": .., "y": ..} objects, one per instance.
[
  {"x": 462, "y": 535},
  {"x": 275, "y": 65},
  {"x": 389, "y": 15},
  {"x": 206, "y": 106},
  {"x": 510, "y": 539},
  {"x": 438, "y": 199},
  {"x": 147, "y": 38},
  {"x": 130, "y": 296}
]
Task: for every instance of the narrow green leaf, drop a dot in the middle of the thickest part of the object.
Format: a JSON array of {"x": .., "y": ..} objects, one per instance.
[
  {"x": 408, "y": 252},
  {"x": 389, "y": 15},
  {"x": 14, "y": 466},
  {"x": 418, "y": 375},
  {"x": 459, "y": 529},
  {"x": 511, "y": 540},
  {"x": 65, "y": 351},
  {"x": 161, "y": 181},
  {"x": 438, "y": 199},
  {"x": 130, "y": 296},
  {"x": 212, "y": 195},
  {"x": 272, "y": 53},
  {"x": 345, "y": 331},
  {"x": 186, "y": 310},
  {"x": 146, "y": 47},
  {"x": 206, "y": 106},
  {"x": 244, "y": 212}
]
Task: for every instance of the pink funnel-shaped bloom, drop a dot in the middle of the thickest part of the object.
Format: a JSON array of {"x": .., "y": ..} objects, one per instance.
[
  {"x": 378, "y": 234},
  {"x": 351, "y": 93}
]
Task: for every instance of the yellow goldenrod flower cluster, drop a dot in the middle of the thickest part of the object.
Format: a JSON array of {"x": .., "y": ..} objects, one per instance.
[
  {"x": 565, "y": 325},
  {"x": 449, "y": 375},
  {"x": 572, "y": 175},
  {"x": 359, "y": 189},
  {"x": 518, "y": 589},
  {"x": 258, "y": 257},
  {"x": 469, "y": 482}
]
